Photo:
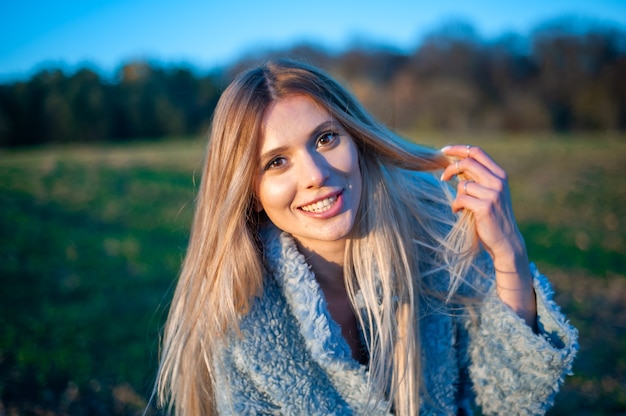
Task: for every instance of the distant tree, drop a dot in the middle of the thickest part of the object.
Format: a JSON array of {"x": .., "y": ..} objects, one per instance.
[
  {"x": 86, "y": 96},
  {"x": 579, "y": 74}
]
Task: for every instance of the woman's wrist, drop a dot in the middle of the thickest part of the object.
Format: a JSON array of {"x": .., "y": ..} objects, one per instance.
[
  {"x": 511, "y": 257},
  {"x": 514, "y": 282}
]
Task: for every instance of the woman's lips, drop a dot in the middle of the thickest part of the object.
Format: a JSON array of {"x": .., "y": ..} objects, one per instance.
[
  {"x": 324, "y": 208},
  {"x": 321, "y": 205}
]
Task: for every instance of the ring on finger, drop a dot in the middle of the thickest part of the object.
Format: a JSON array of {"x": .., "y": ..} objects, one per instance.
[
  {"x": 456, "y": 165},
  {"x": 469, "y": 147},
  {"x": 465, "y": 185}
]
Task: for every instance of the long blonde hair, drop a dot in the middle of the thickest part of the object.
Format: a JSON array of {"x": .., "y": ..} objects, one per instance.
[{"x": 403, "y": 228}]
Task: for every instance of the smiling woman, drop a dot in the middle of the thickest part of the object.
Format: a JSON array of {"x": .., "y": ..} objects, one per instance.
[{"x": 331, "y": 270}]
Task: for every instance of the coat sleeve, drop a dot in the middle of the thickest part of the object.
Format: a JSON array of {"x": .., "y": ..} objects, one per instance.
[{"x": 514, "y": 370}]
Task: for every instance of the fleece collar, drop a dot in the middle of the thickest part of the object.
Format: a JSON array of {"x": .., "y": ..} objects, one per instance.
[{"x": 321, "y": 333}]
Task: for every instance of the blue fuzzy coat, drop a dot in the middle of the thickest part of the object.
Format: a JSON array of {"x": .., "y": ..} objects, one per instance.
[{"x": 291, "y": 358}]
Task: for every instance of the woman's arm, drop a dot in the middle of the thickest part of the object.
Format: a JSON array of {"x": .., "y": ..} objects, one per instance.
[{"x": 484, "y": 190}]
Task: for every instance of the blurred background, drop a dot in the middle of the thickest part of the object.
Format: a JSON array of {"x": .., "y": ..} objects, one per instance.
[{"x": 104, "y": 109}]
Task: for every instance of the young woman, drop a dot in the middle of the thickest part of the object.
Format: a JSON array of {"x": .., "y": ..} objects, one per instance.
[{"x": 331, "y": 270}]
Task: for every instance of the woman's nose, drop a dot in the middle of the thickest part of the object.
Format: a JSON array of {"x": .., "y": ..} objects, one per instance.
[{"x": 314, "y": 170}]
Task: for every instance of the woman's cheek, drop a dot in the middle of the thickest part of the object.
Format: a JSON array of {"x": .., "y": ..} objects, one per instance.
[{"x": 276, "y": 193}]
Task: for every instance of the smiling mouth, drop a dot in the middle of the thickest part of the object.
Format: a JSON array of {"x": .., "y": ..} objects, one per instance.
[{"x": 320, "y": 206}]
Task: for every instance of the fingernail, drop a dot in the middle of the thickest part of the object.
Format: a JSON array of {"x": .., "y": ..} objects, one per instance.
[{"x": 443, "y": 149}]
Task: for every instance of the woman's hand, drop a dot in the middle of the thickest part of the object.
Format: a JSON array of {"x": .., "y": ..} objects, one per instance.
[{"x": 483, "y": 189}]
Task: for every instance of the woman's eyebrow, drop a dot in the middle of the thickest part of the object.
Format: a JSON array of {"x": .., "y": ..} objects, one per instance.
[
  {"x": 272, "y": 153},
  {"x": 324, "y": 126}
]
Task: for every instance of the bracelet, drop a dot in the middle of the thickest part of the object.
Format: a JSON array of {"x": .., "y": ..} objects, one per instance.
[
  {"x": 514, "y": 290},
  {"x": 503, "y": 272}
]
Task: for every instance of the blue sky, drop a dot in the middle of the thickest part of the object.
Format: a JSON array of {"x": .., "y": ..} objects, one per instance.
[{"x": 209, "y": 33}]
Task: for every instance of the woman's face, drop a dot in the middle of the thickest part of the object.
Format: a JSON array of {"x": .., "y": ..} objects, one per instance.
[{"x": 309, "y": 181}]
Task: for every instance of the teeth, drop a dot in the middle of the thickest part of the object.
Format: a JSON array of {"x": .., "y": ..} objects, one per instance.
[{"x": 320, "y": 206}]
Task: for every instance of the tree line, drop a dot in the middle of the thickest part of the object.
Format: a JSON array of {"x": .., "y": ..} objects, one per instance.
[{"x": 566, "y": 75}]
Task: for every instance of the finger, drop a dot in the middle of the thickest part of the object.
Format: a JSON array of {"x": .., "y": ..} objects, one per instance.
[
  {"x": 476, "y": 198},
  {"x": 476, "y": 190},
  {"x": 472, "y": 169},
  {"x": 465, "y": 201},
  {"x": 465, "y": 185},
  {"x": 463, "y": 196},
  {"x": 476, "y": 153}
]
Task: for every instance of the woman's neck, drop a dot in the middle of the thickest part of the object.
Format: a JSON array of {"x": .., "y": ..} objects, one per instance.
[{"x": 327, "y": 264}]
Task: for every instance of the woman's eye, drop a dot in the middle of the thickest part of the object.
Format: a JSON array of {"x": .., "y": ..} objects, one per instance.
[
  {"x": 275, "y": 163},
  {"x": 327, "y": 138}
]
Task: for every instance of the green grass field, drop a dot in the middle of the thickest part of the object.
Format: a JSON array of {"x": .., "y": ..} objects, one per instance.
[{"x": 92, "y": 239}]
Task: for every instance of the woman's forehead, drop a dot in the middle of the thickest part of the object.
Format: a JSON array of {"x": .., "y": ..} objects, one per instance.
[{"x": 293, "y": 113}]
